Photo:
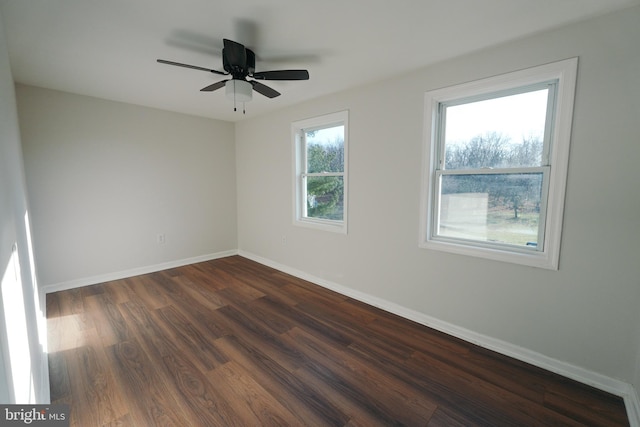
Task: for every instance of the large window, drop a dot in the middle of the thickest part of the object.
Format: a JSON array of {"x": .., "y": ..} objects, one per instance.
[
  {"x": 320, "y": 147},
  {"x": 496, "y": 155}
]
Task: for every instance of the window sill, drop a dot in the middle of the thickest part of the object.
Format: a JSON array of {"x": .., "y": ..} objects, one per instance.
[
  {"x": 529, "y": 258},
  {"x": 324, "y": 225}
]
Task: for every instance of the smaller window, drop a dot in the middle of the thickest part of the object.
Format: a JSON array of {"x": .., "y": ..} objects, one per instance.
[{"x": 320, "y": 165}]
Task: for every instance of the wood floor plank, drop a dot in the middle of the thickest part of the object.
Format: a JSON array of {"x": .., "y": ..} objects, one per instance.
[
  {"x": 72, "y": 307},
  {"x": 335, "y": 318},
  {"x": 304, "y": 318},
  {"x": 149, "y": 398},
  {"x": 486, "y": 402},
  {"x": 205, "y": 297},
  {"x": 583, "y": 403},
  {"x": 108, "y": 322},
  {"x": 119, "y": 291},
  {"x": 147, "y": 291},
  {"x": 53, "y": 305},
  {"x": 214, "y": 275},
  {"x": 190, "y": 338},
  {"x": 231, "y": 342},
  {"x": 94, "y": 407},
  {"x": 356, "y": 413},
  {"x": 380, "y": 395},
  {"x": 97, "y": 382},
  {"x": 444, "y": 418},
  {"x": 270, "y": 314},
  {"x": 244, "y": 326},
  {"x": 262, "y": 279},
  {"x": 59, "y": 385},
  {"x": 188, "y": 384},
  {"x": 253, "y": 404},
  {"x": 207, "y": 277},
  {"x": 302, "y": 400},
  {"x": 65, "y": 332}
]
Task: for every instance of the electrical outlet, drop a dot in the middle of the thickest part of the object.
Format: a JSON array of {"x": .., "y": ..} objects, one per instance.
[
  {"x": 161, "y": 239},
  {"x": 284, "y": 240}
]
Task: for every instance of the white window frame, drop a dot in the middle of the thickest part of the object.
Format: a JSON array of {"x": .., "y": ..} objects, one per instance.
[
  {"x": 547, "y": 256},
  {"x": 298, "y": 129}
]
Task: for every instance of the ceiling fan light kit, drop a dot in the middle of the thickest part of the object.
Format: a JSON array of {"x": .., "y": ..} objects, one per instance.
[
  {"x": 239, "y": 62},
  {"x": 238, "y": 90}
]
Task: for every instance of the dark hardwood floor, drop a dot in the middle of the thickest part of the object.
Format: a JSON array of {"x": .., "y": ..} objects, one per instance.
[{"x": 233, "y": 343}]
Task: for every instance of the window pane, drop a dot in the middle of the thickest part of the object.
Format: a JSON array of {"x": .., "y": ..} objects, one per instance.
[
  {"x": 496, "y": 133},
  {"x": 325, "y": 150},
  {"x": 325, "y": 197},
  {"x": 502, "y": 208}
]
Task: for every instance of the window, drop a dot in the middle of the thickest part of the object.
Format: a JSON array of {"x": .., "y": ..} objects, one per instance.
[
  {"x": 320, "y": 147},
  {"x": 496, "y": 156}
]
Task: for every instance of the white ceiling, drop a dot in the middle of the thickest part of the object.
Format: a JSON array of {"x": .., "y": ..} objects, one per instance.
[{"x": 108, "y": 48}]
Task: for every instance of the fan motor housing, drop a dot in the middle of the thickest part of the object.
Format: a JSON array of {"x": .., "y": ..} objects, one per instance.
[{"x": 246, "y": 66}]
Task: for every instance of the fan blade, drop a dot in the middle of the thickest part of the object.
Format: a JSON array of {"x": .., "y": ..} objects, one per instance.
[
  {"x": 264, "y": 90},
  {"x": 195, "y": 67},
  {"x": 235, "y": 53},
  {"x": 282, "y": 75},
  {"x": 214, "y": 86}
]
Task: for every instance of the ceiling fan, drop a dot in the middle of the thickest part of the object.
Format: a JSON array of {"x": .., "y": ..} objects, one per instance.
[{"x": 239, "y": 62}]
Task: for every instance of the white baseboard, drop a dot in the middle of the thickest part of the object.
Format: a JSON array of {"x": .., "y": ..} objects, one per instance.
[
  {"x": 93, "y": 280},
  {"x": 632, "y": 402},
  {"x": 585, "y": 376}
]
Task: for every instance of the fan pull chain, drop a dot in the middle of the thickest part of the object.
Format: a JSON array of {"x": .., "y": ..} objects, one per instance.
[{"x": 244, "y": 111}]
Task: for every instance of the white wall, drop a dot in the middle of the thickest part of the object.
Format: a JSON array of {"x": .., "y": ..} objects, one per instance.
[
  {"x": 23, "y": 364},
  {"x": 585, "y": 314},
  {"x": 106, "y": 178}
]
